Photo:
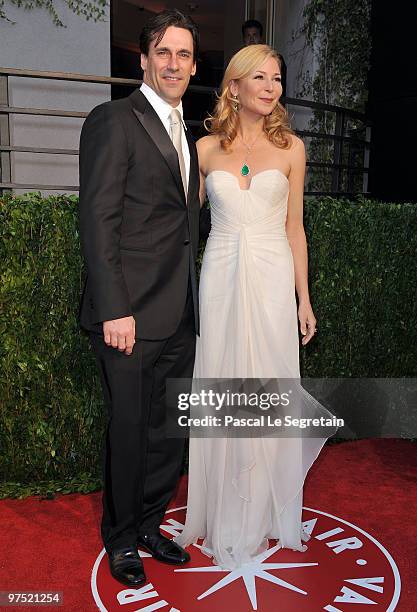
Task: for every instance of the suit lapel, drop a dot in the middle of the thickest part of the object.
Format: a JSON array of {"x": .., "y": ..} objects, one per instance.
[
  {"x": 157, "y": 132},
  {"x": 194, "y": 178}
]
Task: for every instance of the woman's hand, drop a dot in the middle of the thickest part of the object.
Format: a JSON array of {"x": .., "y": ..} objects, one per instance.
[{"x": 307, "y": 321}]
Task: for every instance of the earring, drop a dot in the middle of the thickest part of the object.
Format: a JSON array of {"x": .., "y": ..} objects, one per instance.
[{"x": 235, "y": 103}]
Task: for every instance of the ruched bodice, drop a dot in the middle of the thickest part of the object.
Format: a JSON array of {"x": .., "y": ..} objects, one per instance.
[
  {"x": 243, "y": 491},
  {"x": 261, "y": 207}
]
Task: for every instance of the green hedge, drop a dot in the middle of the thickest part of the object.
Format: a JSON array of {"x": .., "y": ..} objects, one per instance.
[
  {"x": 50, "y": 409},
  {"x": 363, "y": 280}
]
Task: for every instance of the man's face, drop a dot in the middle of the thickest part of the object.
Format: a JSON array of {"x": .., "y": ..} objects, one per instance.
[
  {"x": 168, "y": 67},
  {"x": 251, "y": 36}
]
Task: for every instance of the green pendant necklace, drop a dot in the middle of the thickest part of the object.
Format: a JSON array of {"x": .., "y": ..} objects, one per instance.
[{"x": 245, "y": 170}]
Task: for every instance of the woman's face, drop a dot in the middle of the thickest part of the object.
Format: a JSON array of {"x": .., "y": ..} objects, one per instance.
[{"x": 260, "y": 91}]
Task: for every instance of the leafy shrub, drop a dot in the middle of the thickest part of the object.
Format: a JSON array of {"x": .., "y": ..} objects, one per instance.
[{"x": 362, "y": 277}]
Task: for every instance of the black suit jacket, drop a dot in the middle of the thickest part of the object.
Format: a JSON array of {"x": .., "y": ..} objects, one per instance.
[{"x": 139, "y": 236}]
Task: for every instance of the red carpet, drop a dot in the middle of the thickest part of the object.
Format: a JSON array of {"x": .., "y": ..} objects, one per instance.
[{"x": 371, "y": 485}]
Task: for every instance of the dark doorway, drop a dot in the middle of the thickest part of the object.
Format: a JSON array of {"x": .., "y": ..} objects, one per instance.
[{"x": 393, "y": 102}]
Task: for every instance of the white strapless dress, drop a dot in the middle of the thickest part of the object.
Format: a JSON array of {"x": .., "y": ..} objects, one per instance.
[{"x": 244, "y": 491}]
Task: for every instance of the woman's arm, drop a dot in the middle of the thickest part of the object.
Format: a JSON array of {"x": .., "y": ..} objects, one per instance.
[
  {"x": 205, "y": 214},
  {"x": 202, "y": 147},
  {"x": 297, "y": 238},
  {"x": 202, "y": 192}
]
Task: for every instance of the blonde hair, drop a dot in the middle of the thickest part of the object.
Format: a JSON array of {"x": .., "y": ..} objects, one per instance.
[{"x": 225, "y": 119}]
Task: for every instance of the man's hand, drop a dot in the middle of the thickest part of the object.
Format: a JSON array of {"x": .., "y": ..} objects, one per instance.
[{"x": 120, "y": 334}]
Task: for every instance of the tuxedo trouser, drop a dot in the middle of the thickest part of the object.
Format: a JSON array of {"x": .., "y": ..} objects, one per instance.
[{"x": 141, "y": 465}]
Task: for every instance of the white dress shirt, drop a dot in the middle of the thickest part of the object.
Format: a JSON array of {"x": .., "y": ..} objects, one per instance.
[{"x": 163, "y": 110}]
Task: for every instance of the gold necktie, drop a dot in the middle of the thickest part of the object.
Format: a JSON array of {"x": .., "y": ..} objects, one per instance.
[{"x": 175, "y": 132}]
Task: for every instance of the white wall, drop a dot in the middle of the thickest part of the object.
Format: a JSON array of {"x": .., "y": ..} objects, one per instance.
[{"x": 36, "y": 43}]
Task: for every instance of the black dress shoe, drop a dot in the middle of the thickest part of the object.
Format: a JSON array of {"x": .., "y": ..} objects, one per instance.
[
  {"x": 126, "y": 566},
  {"x": 163, "y": 549}
]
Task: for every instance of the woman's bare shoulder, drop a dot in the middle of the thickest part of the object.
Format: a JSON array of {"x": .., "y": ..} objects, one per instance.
[
  {"x": 296, "y": 152},
  {"x": 208, "y": 143},
  {"x": 206, "y": 148},
  {"x": 296, "y": 144}
]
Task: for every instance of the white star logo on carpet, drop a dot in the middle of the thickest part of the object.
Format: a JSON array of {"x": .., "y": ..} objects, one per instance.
[{"x": 256, "y": 568}]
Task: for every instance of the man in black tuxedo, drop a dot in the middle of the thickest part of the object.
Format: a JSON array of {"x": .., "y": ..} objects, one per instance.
[{"x": 139, "y": 216}]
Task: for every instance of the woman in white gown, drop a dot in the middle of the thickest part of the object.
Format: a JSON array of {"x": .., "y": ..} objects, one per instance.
[{"x": 243, "y": 491}]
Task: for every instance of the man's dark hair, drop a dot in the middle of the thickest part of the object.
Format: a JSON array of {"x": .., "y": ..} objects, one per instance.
[
  {"x": 157, "y": 25},
  {"x": 252, "y": 23}
]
